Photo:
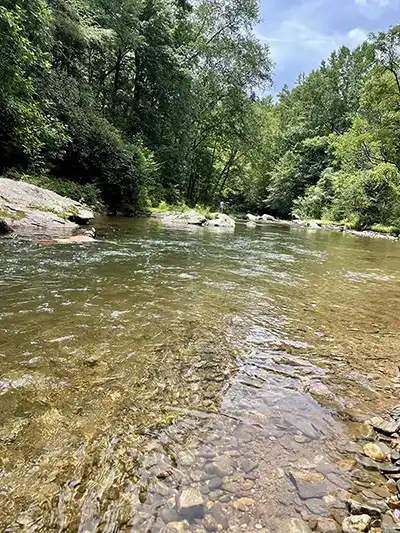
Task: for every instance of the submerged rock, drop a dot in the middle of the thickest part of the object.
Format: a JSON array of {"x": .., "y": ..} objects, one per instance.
[
  {"x": 293, "y": 525},
  {"x": 373, "y": 451},
  {"x": 355, "y": 524},
  {"x": 26, "y": 208},
  {"x": 189, "y": 503}
]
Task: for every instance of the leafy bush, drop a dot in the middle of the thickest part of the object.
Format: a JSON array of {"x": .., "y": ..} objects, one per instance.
[
  {"x": 87, "y": 193},
  {"x": 367, "y": 197}
]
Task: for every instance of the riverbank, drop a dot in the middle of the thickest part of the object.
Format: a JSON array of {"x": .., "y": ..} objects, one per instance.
[
  {"x": 27, "y": 209},
  {"x": 377, "y": 232}
]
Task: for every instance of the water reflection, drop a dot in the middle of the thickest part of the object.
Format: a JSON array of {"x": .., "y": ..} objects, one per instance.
[{"x": 197, "y": 379}]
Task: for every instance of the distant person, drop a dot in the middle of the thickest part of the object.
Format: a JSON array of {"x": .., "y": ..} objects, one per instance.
[{"x": 222, "y": 206}]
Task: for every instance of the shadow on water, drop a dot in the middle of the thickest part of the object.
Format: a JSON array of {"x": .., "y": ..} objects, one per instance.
[{"x": 207, "y": 380}]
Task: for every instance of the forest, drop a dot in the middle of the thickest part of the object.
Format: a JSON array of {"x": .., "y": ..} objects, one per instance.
[{"x": 133, "y": 103}]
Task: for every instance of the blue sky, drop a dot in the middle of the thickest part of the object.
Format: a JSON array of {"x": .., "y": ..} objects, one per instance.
[{"x": 303, "y": 32}]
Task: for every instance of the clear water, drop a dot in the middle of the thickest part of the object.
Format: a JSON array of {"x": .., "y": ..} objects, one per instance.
[{"x": 159, "y": 359}]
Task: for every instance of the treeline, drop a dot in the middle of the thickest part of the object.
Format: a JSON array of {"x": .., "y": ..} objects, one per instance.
[
  {"x": 330, "y": 148},
  {"x": 145, "y": 100}
]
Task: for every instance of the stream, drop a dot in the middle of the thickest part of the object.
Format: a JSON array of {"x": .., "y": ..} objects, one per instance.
[{"x": 189, "y": 379}]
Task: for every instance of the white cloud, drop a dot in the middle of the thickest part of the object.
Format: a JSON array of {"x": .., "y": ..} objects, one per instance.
[
  {"x": 304, "y": 36},
  {"x": 374, "y": 8}
]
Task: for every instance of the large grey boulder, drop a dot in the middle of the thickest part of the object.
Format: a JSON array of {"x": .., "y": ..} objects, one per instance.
[
  {"x": 26, "y": 208},
  {"x": 185, "y": 219},
  {"x": 221, "y": 221},
  {"x": 268, "y": 218},
  {"x": 251, "y": 218}
]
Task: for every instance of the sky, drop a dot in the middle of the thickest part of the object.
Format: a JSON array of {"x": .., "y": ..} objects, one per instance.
[{"x": 301, "y": 33}]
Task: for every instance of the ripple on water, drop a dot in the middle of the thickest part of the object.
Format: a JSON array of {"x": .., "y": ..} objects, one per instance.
[{"x": 211, "y": 362}]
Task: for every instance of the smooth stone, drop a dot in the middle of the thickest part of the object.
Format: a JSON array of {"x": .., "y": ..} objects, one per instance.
[
  {"x": 293, "y": 525},
  {"x": 221, "y": 467},
  {"x": 248, "y": 465},
  {"x": 219, "y": 516},
  {"x": 190, "y": 503},
  {"x": 316, "y": 506},
  {"x": 308, "y": 490},
  {"x": 215, "y": 495},
  {"x": 354, "y": 524},
  {"x": 225, "y": 498},
  {"x": 169, "y": 515},
  {"x": 215, "y": 483},
  {"x": 373, "y": 451}
]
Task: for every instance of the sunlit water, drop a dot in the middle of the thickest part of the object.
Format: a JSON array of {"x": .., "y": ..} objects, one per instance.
[{"x": 158, "y": 359}]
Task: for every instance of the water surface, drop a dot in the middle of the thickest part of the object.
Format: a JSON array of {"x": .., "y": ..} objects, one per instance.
[{"x": 159, "y": 359}]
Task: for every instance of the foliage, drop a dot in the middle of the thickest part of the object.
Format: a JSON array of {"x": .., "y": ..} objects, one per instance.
[
  {"x": 145, "y": 99},
  {"x": 88, "y": 194}
]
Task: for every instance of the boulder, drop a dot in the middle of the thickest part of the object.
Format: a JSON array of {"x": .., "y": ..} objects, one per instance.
[
  {"x": 26, "y": 208},
  {"x": 251, "y": 218},
  {"x": 251, "y": 224},
  {"x": 184, "y": 219},
  {"x": 293, "y": 525},
  {"x": 268, "y": 218},
  {"x": 221, "y": 221}
]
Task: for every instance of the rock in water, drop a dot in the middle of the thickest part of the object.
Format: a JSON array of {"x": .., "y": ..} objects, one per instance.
[
  {"x": 251, "y": 218},
  {"x": 190, "y": 504},
  {"x": 355, "y": 524},
  {"x": 386, "y": 426},
  {"x": 293, "y": 525},
  {"x": 27, "y": 208},
  {"x": 327, "y": 525},
  {"x": 373, "y": 451},
  {"x": 220, "y": 221},
  {"x": 267, "y": 218}
]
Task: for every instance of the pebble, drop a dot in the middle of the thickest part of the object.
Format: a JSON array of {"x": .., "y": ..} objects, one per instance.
[
  {"x": 214, "y": 483},
  {"x": 373, "y": 451},
  {"x": 354, "y": 524},
  {"x": 243, "y": 504},
  {"x": 316, "y": 506},
  {"x": 248, "y": 465},
  {"x": 219, "y": 516}
]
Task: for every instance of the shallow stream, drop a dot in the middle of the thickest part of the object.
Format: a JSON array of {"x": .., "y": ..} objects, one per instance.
[{"x": 238, "y": 364}]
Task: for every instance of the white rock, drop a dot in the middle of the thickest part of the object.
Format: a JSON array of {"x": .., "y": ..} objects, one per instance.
[{"x": 357, "y": 523}]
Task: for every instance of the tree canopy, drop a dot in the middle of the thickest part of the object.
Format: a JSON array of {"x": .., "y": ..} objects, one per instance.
[{"x": 164, "y": 100}]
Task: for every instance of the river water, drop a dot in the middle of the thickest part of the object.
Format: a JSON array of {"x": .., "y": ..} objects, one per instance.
[{"x": 238, "y": 364}]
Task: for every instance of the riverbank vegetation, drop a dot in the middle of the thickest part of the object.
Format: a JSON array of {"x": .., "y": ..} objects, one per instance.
[{"x": 138, "y": 102}]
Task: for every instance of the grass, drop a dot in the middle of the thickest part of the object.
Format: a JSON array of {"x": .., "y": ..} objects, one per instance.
[
  {"x": 14, "y": 215},
  {"x": 392, "y": 230},
  {"x": 203, "y": 210}
]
